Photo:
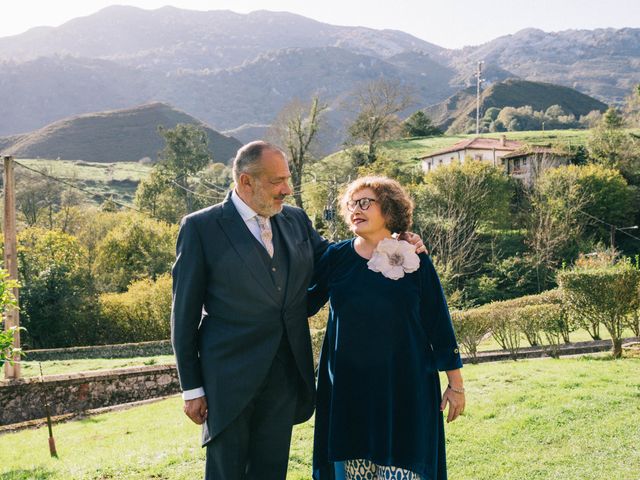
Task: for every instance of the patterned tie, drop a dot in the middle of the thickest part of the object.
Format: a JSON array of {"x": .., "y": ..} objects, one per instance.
[{"x": 266, "y": 234}]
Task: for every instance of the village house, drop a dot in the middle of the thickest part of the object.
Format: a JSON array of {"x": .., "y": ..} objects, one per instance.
[
  {"x": 488, "y": 150},
  {"x": 528, "y": 163}
]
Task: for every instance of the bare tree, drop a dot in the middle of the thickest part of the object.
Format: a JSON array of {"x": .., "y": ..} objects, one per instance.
[
  {"x": 451, "y": 206},
  {"x": 553, "y": 224},
  {"x": 377, "y": 105},
  {"x": 296, "y": 129}
]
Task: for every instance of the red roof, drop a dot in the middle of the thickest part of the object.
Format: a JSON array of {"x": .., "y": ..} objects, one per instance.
[{"x": 479, "y": 143}]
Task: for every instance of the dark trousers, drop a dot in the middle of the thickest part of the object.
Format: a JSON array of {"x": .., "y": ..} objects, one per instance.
[{"x": 255, "y": 446}]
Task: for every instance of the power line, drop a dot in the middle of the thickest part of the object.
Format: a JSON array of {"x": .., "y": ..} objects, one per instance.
[
  {"x": 85, "y": 191},
  {"x": 618, "y": 229},
  {"x": 193, "y": 192}
]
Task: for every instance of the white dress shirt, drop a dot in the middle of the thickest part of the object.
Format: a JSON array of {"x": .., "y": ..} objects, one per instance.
[{"x": 251, "y": 221}]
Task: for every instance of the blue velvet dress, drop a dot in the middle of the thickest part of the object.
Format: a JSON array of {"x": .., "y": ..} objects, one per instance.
[{"x": 378, "y": 383}]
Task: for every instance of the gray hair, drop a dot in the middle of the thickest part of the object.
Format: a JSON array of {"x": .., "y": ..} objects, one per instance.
[{"x": 248, "y": 157}]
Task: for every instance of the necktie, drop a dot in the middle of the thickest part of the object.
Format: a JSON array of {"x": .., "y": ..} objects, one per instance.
[{"x": 266, "y": 234}]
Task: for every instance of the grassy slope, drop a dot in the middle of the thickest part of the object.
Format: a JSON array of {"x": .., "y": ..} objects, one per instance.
[
  {"x": 571, "y": 419},
  {"x": 117, "y": 179}
]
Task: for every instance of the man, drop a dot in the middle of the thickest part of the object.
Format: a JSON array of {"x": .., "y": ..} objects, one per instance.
[{"x": 239, "y": 319}]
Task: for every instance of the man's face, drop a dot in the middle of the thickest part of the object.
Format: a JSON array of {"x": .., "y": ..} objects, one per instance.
[{"x": 271, "y": 184}]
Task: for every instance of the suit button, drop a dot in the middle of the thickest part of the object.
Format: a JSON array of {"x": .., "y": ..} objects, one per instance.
[
  {"x": 455, "y": 350},
  {"x": 273, "y": 269},
  {"x": 279, "y": 289}
]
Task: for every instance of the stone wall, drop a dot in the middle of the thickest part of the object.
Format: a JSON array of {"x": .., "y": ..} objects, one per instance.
[{"x": 24, "y": 399}]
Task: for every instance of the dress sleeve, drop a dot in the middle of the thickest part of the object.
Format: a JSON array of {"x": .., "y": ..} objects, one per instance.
[
  {"x": 318, "y": 292},
  {"x": 435, "y": 317}
]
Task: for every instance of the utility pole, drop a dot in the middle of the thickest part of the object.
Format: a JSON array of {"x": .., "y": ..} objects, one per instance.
[
  {"x": 479, "y": 81},
  {"x": 12, "y": 316}
]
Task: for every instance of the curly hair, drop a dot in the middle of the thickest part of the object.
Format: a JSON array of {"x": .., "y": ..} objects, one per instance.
[{"x": 395, "y": 204}]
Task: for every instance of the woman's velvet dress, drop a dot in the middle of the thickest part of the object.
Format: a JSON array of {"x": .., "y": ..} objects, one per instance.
[{"x": 378, "y": 384}]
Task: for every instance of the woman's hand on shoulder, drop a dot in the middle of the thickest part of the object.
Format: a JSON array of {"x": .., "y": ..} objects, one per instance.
[{"x": 415, "y": 240}]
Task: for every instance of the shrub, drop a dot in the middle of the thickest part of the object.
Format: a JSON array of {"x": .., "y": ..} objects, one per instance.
[
  {"x": 548, "y": 321},
  {"x": 7, "y": 300},
  {"x": 471, "y": 327},
  {"x": 138, "y": 248},
  {"x": 57, "y": 295},
  {"x": 607, "y": 295},
  {"x": 141, "y": 313},
  {"x": 505, "y": 327}
]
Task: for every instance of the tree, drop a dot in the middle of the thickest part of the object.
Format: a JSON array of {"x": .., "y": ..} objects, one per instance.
[
  {"x": 57, "y": 295},
  {"x": 377, "y": 104},
  {"x": 631, "y": 109},
  {"x": 7, "y": 300},
  {"x": 419, "y": 125},
  {"x": 452, "y": 205},
  {"x": 158, "y": 196},
  {"x": 37, "y": 198},
  {"x": 611, "y": 146},
  {"x": 296, "y": 129},
  {"x": 137, "y": 248},
  {"x": 186, "y": 152}
]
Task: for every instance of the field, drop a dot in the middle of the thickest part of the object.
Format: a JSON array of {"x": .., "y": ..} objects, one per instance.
[
  {"x": 103, "y": 179},
  {"x": 569, "y": 419}
]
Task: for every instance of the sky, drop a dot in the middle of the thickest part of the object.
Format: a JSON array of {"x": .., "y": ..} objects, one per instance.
[{"x": 447, "y": 23}]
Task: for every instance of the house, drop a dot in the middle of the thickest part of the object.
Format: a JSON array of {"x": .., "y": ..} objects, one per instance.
[
  {"x": 489, "y": 150},
  {"x": 528, "y": 163}
]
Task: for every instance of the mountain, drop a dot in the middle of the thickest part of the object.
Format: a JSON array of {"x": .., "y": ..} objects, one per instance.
[
  {"x": 112, "y": 136},
  {"x": 603, "y": 63},
  {"x": 172, "y": 37},
  {"x": 231, "y": 70},
  {"x": 455, "y": 112}
]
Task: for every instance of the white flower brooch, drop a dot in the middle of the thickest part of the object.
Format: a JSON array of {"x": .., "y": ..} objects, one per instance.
[{"x": 393, "y": 258}]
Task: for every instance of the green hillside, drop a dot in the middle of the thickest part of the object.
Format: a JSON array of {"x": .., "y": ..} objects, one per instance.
[
  {"x": 113, "y": 136},
  {"x": 454, "y": 113}
]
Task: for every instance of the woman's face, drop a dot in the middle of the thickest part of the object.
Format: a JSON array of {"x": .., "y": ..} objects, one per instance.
[{"x": 368, "y": 220}]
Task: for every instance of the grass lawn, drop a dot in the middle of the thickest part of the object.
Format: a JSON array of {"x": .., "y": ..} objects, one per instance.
[
  {"x": 56, "y": 367},
  {"x": 569, "y": 419}
]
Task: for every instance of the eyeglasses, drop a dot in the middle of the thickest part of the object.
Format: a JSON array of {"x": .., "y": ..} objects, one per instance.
[{"x": 363, "y": 203}]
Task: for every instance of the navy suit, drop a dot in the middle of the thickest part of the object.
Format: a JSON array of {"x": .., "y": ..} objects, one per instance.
[{"x": 233, "y": 332}]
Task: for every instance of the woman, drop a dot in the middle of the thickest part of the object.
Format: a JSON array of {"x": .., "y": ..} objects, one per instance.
[{"x": 379, "y": 403}]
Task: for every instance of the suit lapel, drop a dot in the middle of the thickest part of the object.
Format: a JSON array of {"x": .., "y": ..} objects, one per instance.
[
  {"x": 287, "y": 234},
  {"x": 241, "y": 239}
]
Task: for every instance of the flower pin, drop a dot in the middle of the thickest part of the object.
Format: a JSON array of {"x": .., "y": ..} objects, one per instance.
[{"x": 393, "y": 258}]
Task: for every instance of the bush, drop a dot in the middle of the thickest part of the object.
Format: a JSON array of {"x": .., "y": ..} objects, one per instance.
[
  {"x": 607, "y": 295},
  {"x": 137, "y": 248},
  {"x": 141, "y": 313},
  {"x": 505, "y": 327},
  {"x": 471, "y": 326},
  {"x": 57, "y": 295},
  {"x": 546, "y": 319},
  {"x": 7, "y": 300}
]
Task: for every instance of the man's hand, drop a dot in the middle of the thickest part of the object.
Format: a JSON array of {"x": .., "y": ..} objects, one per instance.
[
  {"x": 415, "y": 240},
  {"x": 196, "y": 410}
]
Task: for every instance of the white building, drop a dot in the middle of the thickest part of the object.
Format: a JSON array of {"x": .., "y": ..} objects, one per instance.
[
  {"x": 529, "y": 163},
  {"x": 488, "y": 150}
]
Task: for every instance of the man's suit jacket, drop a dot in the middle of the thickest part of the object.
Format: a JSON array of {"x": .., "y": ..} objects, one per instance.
[{"x": 226, "y": 324}]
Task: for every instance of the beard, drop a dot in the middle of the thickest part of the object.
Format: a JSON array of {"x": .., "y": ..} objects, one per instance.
[{"x": 263, "y": 202}]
